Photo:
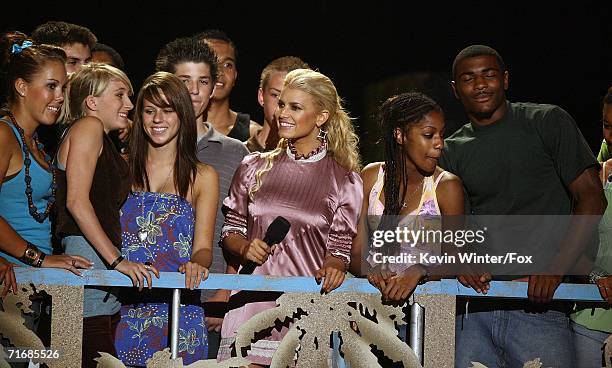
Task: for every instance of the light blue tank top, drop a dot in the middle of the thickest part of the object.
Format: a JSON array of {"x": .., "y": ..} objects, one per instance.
[{"x": 14, "y": 204}]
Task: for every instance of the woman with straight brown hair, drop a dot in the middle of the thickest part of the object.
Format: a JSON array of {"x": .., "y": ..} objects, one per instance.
[{"x": 167, "y": 221}]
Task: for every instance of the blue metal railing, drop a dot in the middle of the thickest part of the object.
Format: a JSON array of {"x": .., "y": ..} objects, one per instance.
[{"x": 175, "y": 280}]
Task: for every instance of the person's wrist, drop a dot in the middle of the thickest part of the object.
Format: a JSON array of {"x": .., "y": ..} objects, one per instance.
[
  {"x": 336, "y": 262},
  {"x": 31, "y": 255},
  {"x": 40, "y": 260},
  {"x": 423, "y": 273},
  {"x": 116, "y": 262},
  {"x": 244, "y": 250}
]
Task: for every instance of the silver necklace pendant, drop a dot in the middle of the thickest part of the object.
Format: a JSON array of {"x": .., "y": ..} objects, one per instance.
[{"x": 142, "y": 235}]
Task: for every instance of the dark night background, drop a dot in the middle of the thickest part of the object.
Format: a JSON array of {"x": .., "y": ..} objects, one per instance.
[{"x": 559, "y": 54}]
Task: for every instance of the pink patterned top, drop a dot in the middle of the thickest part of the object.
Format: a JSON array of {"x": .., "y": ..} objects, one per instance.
[
  {"x": 427, "y": 209},
  {"x": 320, "y": 198}
]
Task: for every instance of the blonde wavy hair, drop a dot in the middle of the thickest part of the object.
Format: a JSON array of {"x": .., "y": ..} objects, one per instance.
[
  {"x": 341, "y": 138},
  {"x": 91, "y": 80}
]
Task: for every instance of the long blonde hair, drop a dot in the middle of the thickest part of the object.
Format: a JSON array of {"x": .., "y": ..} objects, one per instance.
[{"x": 341, "y": 138}]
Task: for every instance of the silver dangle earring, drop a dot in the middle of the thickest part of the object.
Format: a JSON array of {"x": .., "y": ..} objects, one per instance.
[{"x": 322, "y": 136}]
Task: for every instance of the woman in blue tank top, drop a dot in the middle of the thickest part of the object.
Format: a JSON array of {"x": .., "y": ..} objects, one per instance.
[{"x": 35, "y": 75}]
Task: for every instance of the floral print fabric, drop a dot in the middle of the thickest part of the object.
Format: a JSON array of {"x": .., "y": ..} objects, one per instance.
[{"x": 158, "y": 228}]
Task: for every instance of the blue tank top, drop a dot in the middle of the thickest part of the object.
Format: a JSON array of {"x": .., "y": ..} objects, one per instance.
[{"x": 14, "y": 204}]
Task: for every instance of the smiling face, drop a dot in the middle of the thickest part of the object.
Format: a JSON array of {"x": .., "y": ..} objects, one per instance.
[
  {"x": 160, "y": 123},
  {"x": 299, "y": 118},
  {"x": 78, "y": 55},
  {"x": 480, "y": 85},
  {"x": 43, "y": 95},
  {"x": 113, "y": 105},
  {"x": 227, "y": 68},
  {"x": 423, "y": 142},
  {"x": 198, "y": 80}
]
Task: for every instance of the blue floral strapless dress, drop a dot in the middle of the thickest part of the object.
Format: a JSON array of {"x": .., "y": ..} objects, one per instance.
[{"x": 158, "y": 228}]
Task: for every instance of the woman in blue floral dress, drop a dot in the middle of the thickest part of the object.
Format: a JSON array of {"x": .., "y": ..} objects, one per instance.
[{"x": 160, "y": 225}]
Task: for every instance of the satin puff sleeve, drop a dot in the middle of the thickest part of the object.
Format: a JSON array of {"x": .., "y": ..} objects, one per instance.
[
  {"x": 236, "y": 204},
  {"x": 344, "y": 223}
]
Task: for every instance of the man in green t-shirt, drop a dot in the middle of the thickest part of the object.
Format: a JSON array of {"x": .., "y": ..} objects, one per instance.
[{"x": 519, "y": 159}]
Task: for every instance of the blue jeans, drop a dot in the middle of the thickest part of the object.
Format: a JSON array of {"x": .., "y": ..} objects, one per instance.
[
  {"x": 507, "y": 338},
  {"x": 97, "y": 300},
  {"x": 589, "y": 345}
]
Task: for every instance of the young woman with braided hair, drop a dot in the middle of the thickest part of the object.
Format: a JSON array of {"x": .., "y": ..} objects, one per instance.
[
  {"x": 408, "y": 184},
  {"x": 310, "y": 179}
]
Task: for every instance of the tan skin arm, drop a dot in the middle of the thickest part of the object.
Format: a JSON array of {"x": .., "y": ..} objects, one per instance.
[
  {"x": 11, "y": 162},
  {"x": 368, "y": 176},
  {"x": 205, "y": 199},
  {"x": 79, "y": 153}
]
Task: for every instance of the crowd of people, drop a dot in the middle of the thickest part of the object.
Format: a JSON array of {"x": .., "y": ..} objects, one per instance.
[{"x": 180, "y": 182}]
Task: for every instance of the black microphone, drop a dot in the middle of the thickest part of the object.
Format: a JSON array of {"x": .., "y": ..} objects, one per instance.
[{"x": 275, "y": 233}]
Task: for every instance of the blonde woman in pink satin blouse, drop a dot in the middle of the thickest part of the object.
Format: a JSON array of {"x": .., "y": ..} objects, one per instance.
[{"x": 312, "y": 180}]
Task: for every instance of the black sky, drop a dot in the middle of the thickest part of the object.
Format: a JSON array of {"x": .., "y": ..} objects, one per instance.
[{"x": 559, "y": 54}]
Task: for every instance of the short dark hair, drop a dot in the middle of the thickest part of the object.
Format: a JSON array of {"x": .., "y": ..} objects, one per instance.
[
  {"x": 186, "y": 49},
  {"x": 477, "y": 50},
  {"x": 115, "y": 56},
  {"x": 63, "y": 33},
  {"x": 217, "y": 34}
]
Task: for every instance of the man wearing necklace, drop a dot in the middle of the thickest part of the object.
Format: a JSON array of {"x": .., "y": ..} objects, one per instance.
[{"x": 311, "y": 180}]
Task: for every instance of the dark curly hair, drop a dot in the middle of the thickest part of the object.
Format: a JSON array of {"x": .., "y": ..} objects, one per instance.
[{"x": 63, "y": 33}]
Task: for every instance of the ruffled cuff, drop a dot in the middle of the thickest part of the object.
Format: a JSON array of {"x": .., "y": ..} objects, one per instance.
[
  {"x": 339, "y": 246},
  {"x": 228, "y": 230}
]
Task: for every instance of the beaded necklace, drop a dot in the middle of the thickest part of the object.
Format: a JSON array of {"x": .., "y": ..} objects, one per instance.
[
  {"x": 28, "y": 179},
  {"x": 299, "y": 156}
]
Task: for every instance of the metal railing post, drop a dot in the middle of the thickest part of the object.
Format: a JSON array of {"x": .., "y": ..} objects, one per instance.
[
  {"x": 175, "y": 313},
  {"x": 417, "y": 330}
]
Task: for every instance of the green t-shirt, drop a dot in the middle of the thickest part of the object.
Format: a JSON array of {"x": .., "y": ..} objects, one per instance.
[
  {"x": 604, "y": 152},
  {"x": 521, "y": 164}
]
